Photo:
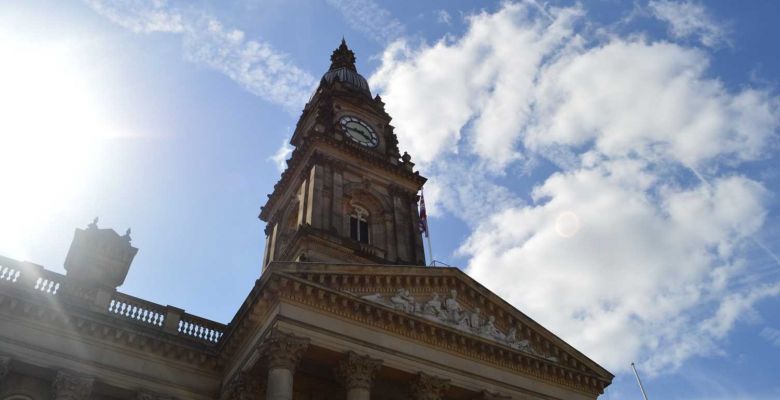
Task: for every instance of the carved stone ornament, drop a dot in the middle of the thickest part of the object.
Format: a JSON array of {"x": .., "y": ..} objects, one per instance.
[
  {"x": 356, "y": 371},
  {"x": 284, "y": 350},
  {"x": 427, "y": 387},
  {"x": 69, "y": 386},
  {"x": 5, "y": 367},
  {"x": 451, "y": 312},
  {"x": 243, "y": 386}
]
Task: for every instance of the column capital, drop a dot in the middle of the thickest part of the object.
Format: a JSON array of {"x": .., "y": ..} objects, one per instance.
[
  {"x": 242, "y": 386},
  {"x": 356, "y": 371},
  {"x": 69, "y": 386},
  {"x": 428, "y": 387},
  {"x": 284, "y": 350}
]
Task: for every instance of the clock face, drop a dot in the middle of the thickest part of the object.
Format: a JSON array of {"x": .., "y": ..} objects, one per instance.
[{"x": 359, "y": 131}]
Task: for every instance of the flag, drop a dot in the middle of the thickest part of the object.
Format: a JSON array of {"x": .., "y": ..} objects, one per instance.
[{"x": 423, "y": 223}]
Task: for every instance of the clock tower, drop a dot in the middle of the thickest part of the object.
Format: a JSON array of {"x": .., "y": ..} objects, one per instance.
[{"x": 347, "y": 195}]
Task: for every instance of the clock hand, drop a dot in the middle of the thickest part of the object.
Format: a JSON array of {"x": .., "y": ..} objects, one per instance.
[{"x": 362, "y": 134}]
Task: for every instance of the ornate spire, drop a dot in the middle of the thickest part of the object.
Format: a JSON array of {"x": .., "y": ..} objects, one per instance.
[{"x": 342, "y": 57}]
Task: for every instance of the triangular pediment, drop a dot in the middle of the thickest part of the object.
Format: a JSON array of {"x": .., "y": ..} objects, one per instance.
[{"x": 442, "y": 306}]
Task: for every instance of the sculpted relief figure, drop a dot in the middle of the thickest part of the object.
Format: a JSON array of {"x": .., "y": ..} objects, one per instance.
[
  {"x": 474, "y": 320},
  {"x": 490, "y": 330},
  {"x": 453, "y": 308},
  {"x": 433, "y": 308},
  {"x": 403, "y": 300},
  {"x": 451, "y": 312}
]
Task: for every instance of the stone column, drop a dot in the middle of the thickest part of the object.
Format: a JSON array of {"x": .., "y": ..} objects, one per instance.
[
  {"x": 427, "y": 387},
  {"x": 69, "y": 386},
  {"x": 357, "y": 373},
  {"x": 284, "y": 351}
]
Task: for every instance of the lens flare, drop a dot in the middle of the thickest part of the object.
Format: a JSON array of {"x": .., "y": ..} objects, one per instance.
[
  {"x": 49, "y": 131},
  {"x": 567, "y": 224}
]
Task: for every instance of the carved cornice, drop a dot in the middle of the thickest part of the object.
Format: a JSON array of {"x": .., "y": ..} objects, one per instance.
[
  {"x": 405, "y": 194},
  {"x": 284, "y": 350},
  {"x": 327, "y": 292},
  {"x": 69, "y": 386},
  {"x": 356, "y": 371},
  {"x": 427, "y": 387},
  {"x": 307, "y": 150}
]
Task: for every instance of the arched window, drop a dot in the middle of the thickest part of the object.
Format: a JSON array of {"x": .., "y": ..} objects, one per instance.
[{"x": 358, "y": 224}]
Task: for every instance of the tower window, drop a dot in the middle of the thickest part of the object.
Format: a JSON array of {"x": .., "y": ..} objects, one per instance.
[{"x": 358, "y": 224}]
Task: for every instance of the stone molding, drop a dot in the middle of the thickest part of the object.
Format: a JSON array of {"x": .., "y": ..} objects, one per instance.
[
  {"x": 284, "y": 350},
  {"x": 333, "y": 293},
  {"x": 356, "y": 371},
  {"x": 301, "y": 153},
  {"x": 449, "y": 310},
  {"x": 428, "y": 387},
  {"x": 69, "y": 386},
  {"x": 118, "y": 331}
]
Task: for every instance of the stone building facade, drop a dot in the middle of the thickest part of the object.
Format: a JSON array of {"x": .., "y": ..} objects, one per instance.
[{"x": 344, "y": 307}]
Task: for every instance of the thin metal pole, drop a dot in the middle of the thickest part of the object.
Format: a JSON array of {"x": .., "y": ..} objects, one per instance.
[
  {"x": 427, "y": 230},
  {"x": 639, "y": 381},
  {"x": 430, "y": 250}
]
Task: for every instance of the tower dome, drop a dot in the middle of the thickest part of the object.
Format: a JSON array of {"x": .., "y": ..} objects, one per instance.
[{"x": 342, "y": 69}]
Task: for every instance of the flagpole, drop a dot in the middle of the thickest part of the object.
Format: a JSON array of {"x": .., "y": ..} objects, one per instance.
[
  {"x": 430, "y": 249},
  {"x": 427, "y": 231},
  {"x": 639, "y": 381}
]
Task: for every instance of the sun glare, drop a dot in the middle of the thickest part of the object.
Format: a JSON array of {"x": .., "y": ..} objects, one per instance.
[{"x": 50, "y": 131}]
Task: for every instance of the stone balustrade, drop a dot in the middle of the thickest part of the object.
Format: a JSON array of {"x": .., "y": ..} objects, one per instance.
[
  {"x": 200, "y": 328},
  {"x": 37, "y": 280},
  {"x": 9, "y": 273},
  {"x": 136, "y": 309},
  {"x": 49, "y": 282}
]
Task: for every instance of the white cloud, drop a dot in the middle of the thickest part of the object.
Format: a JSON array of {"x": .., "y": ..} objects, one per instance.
[
  {"x": 627, "y": 283},
  {"x": 630, "y": 251},
  {"x": 771, "y": 335},
  {"x": 487, "y": 80},
  {"x": 369, "y": 18},
  {"x": 443, "y": 17},
  {"x": 254, "y": 64},
  {"x": 652, "y": 100},
  {"x": 140, "y": 16},
  {"x": 688, "y": 19},
  {"x": 282, "y": 155}
]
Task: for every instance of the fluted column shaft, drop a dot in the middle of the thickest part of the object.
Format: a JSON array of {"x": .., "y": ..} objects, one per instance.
[{"x": 284, "y": 351}]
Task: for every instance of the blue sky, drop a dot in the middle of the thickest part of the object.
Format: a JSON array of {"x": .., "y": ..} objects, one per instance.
[{"x": 608, "y": 167}]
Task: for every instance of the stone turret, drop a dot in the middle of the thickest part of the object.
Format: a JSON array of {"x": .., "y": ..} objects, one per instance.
[{"x": 99, "y": 258}]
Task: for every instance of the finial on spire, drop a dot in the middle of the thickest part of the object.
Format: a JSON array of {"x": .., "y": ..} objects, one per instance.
[
  {"x": 343, "y": 57},
  {"x": 93, "y": 225}
]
